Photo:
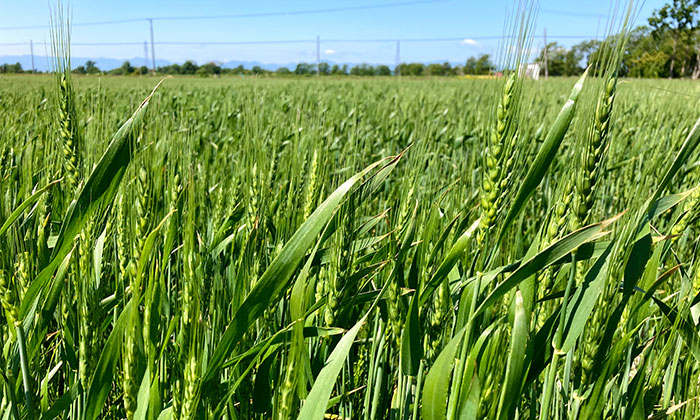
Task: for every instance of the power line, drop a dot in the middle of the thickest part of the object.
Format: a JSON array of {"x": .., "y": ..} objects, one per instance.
[
  {"x": 104, "y": 22},
  {"x": 241, "y": 15},
  {"x": 303, "y": 12},
  {"x": 573, "y": 14},
  {"x": 304, "y": 41},
  {"x": 450, "y": 39},
  {"x": 203, "y": 43},
  {"x": 287, "y": 13}
]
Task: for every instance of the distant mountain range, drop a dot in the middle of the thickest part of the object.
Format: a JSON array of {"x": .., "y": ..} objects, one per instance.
[{"x": 43, "y": 63}]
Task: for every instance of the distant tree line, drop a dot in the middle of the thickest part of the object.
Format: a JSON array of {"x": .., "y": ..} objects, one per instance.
[
  {"x": 474, "y": 66},
  {"x": 11, "y": 68}
]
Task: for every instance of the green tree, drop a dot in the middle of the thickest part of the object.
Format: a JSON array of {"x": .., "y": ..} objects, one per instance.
[
  {"x": 363, "y": 69},
  {"x": 561, "y": 61},
  {"x": 91, "y": 67},
  {"x": 127, "y": 68},
  {"x": 304, "y": 68},
  {"x": 470, "y": 66},
  {"x": 586, "y": 52},
  {"x": 189, "y": 67},
  {"x": 382, "y": 70},
  {"x": 411, "y": 69},
  {"x": 644, "y": 56},
  {"x": 676, "y": 21},
  {"x": 483, "y": 64},
  {"x": 209, "y": 69},
  {"x": 324, "y": 68},
  {"x": 436, "y": 69},
  {"x": 337, "y": 70},
  {"x": 171, "y": 69}
]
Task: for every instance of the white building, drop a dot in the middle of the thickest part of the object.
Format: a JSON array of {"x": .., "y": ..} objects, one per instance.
[{"x": 530, "y": 70}]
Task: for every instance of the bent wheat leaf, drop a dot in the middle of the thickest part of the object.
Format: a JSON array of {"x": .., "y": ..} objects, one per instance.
[
  {"x": 26, "y": 203},
  {"x": 545, "y": 156},
  {"x": 453, "y": 256},
  {"x": 516, "y": 367},
  {"x": 437, "y": 382},
  {"x": 582, "y": 302},
  {"x": 101, "y": 382},
  {"x": 546, "y": 258},
  {"x": 317, "y": 400},
  {"x": 97, "y": 193},
  {"x": 278, "y": 275}
]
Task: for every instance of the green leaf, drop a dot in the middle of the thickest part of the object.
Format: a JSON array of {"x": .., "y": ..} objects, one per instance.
[
  {"x": 101, "y": 382},
  {"x": 665, "y": 203},
  {"x": 689, "y": 146},
  {"x": 470, "y": 393},
  {"x": 317, "y": 400},
  {"x": 97, "y": 193},
  {"x": 282, "y": 337},
  {"x": 471, "y": 385},
  {"x": 545, "y": 156},
  {"x": 262, "y": 388},
  {"x": 685, "y": 327},
  {"x": 453, "y": 256},
  {"x": 515, "y": 368},
  {"x": 583, "y": 300},
  {"x": 53, "y": 295},
  {"x": 143, "y": 396},
  {"x": 637, "y": 261},
  {"x": 437, "y": 381},
  {"x": 594, "y": 405},
  {"x": 101, "y": 187},
  {"x": 166, "y": 414},
  {"x": 18, "y": 211},
  {"x": 411, "y": 341},
  {"x": 546, "y": 258},
  {"x": 62, "y": 404},
  {"x": 277, "y": 277},
  {"x": 148, "y": 250}
]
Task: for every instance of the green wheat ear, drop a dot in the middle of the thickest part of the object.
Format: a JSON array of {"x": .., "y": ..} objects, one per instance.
[
  {"x": 596, "y": 146},
  {"x": 498, "y": 155},
  {"x": 69, "y": 132},
  {"x": 8, "y": 298}
]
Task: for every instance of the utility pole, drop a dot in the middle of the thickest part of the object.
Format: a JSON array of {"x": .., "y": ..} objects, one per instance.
[
  {"x": 145, "y": 53},
  {"x": 546, "y": 69},
  {"x": 153, "y": 48},
  {"x": 31, "y": 49},
  {"x": 397, "y": 67},
  {"x": 318, "y": 55}
]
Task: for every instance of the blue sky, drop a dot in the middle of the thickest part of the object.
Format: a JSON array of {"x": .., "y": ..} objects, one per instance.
[{"x": 466, "y": 20}]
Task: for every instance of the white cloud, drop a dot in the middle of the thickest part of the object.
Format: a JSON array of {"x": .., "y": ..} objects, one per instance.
[
  {"x": 329, "y": 51},
  {"x": 468, "y": 41}
]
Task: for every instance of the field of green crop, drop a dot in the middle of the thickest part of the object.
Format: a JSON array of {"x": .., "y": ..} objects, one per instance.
[{"x": 349, "y": 249}]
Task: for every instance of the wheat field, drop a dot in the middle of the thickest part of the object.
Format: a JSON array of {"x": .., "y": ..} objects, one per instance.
[{"x": 392, "y": 248}]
